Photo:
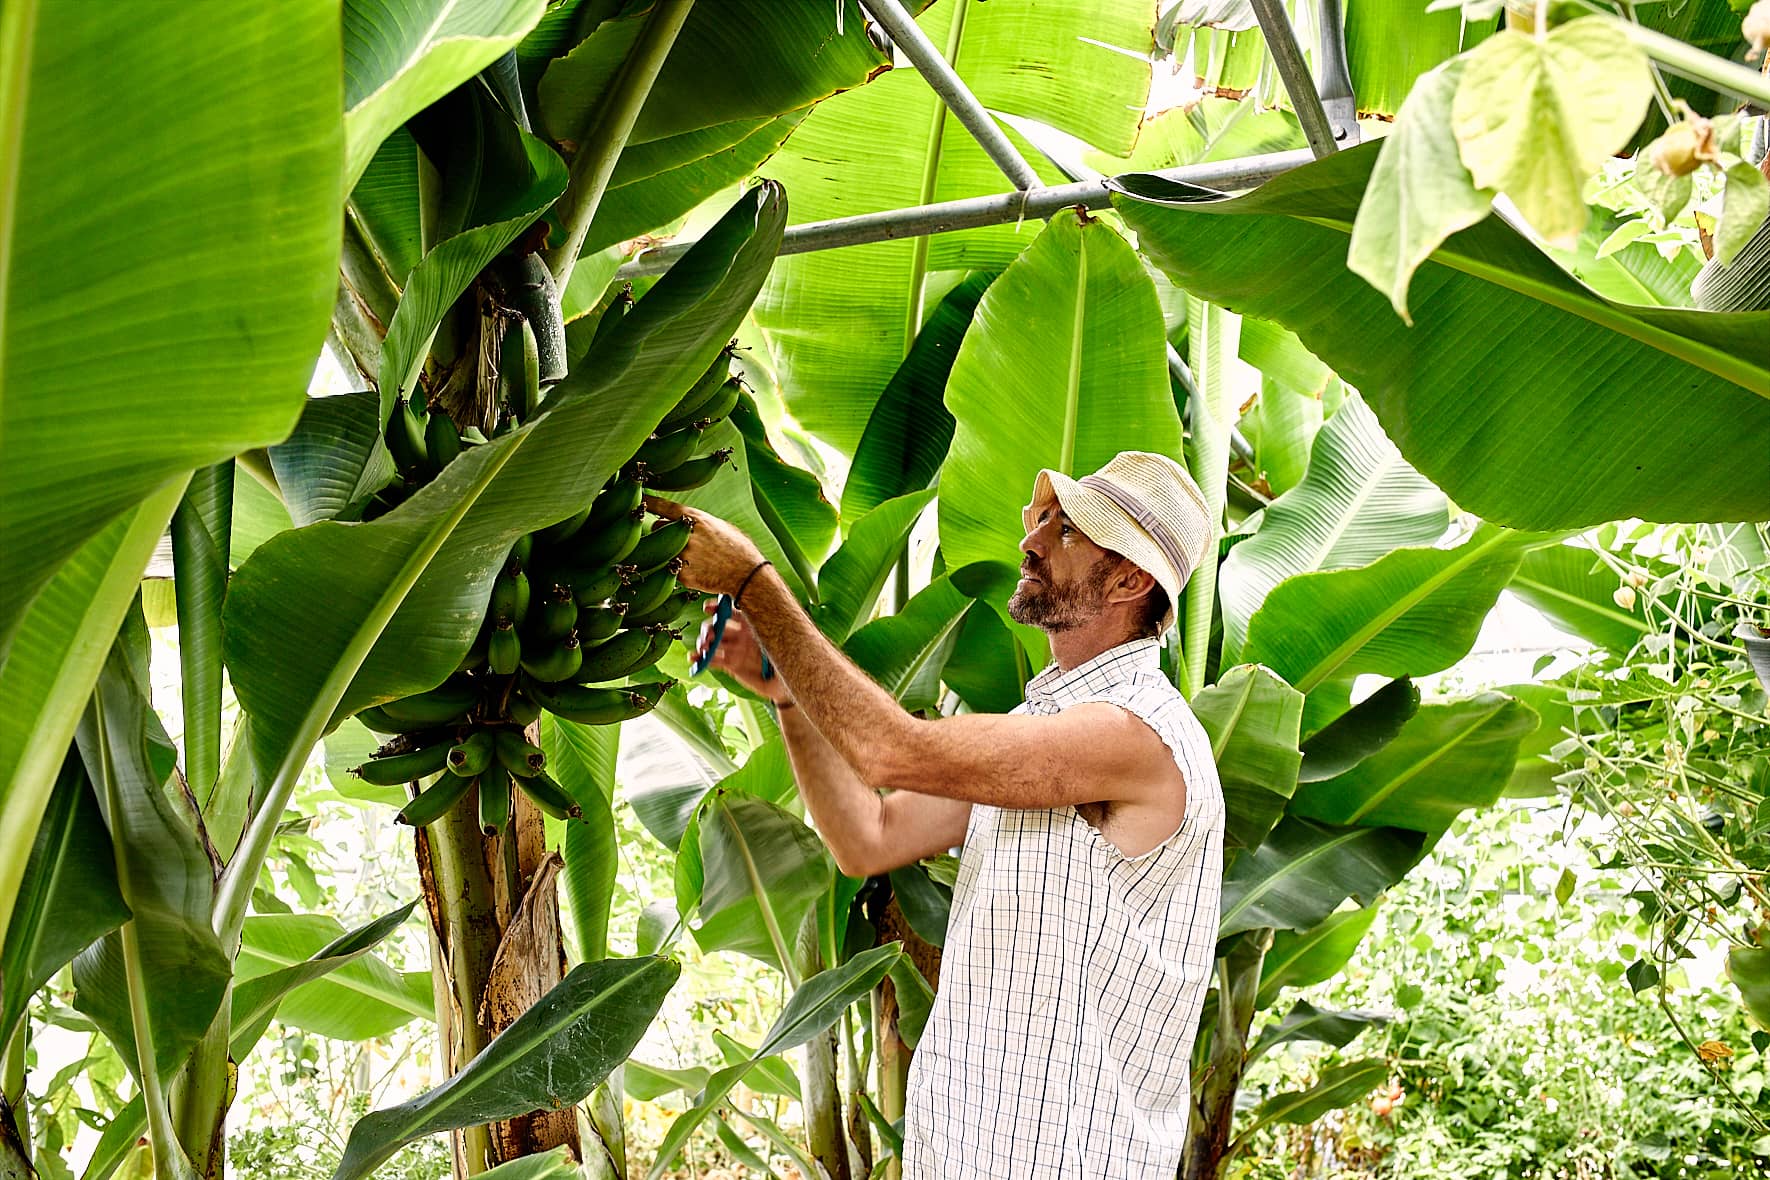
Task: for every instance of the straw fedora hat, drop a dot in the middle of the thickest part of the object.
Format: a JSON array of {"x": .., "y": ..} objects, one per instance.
[{"x": 1140, "y": 505}]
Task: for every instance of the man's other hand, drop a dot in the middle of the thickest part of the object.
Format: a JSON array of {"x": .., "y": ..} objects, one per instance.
[{"x": 741, "y": 656}]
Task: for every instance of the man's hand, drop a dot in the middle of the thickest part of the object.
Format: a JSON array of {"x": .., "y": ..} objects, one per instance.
[
  {"x": 718, "y": 556},
  {"x": 740, "y": 655}
]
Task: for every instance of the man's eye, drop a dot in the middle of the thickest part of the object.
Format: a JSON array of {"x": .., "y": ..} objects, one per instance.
[{"x": 1065, "y": 531}]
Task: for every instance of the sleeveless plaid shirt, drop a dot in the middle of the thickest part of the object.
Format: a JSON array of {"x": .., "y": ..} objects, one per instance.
[{"x": 1060, "y": 1041}]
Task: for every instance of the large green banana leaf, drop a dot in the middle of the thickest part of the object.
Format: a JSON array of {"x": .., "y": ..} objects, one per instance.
[
  {"x": 707, "y": 122},
  {"x": 1299, "y": 958},
  {"x": 402, "y": 55},
  {"x": 1598, "y": 427},
  {"x": 1359, "y": 732},
  {"x": 1304, "y": 870},
  {"x": 1358, "y": 500},
  {"x": 68, "y": 898},
  {"x": 1081, "y": 68},
  {"x": 358, "y": 1001},
  {"x": 1578, "y": 593},
  {"x": 789, "y": 499},
  {"x": 1447, "y": 759},
  {"x": 582, "y": 759},
  {"x": 1253, "y": 719},
  {"x": 762, "y": 872},
  {"x": 168, "y": 262},
  {"x": 326, "y": 619},
  {"x": 1306, "y": 1022},
  {"x": 1409, "y": 613},
  {"x": 551, "y": 1057},
  {"x": 1213, "y": 128},
  {"x": 850, "y": 581},
  {"x": 905, "y": 652},
  {"x": 1062, "y": 368}
]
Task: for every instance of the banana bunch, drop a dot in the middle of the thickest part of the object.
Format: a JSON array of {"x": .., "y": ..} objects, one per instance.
[{"x": 576, "y": 610}]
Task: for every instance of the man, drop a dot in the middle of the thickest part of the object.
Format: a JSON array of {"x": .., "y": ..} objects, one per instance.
[{"x": 1079, "y": 947}]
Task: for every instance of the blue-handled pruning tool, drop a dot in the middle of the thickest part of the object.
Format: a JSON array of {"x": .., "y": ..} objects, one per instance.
[{"x": 721, "y": 616}]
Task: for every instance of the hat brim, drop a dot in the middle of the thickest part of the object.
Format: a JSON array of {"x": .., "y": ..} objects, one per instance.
[{"x": 1110, "y": 527}]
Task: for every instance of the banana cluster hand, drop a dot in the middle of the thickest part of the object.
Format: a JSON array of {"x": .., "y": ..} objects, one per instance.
[{"x": 575, "y": 609}]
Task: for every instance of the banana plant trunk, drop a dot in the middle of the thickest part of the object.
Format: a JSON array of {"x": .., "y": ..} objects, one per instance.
[
  {"x": 1238, "y": 982},
  {"x": 894, "y": 1052},
  {"x": 493, "y": 903}
]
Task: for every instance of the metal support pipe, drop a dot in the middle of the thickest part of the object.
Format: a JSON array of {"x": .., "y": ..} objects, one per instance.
[
  {"x": 1334, "y": 80},
  {"x": 934, "y": 68},
  {"x": 972, "y": 212},
  {"x": 1281, "y": 42}
]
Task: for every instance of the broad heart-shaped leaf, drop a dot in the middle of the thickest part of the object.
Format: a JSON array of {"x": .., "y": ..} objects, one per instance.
[
  {"x": 1062, "y": 368},
  {"x": 1412, "y": 612},
  {"x": 1576, "y": 590},
  {"x": 166, "y": 957},
  {"x": 550, "y": 1058},
  {"x": 890, "y": 144},
  {"x": 1339, "y": 1086},
  {"x": 813, "y": 1007},
  {"x": 68, "y": 898},
  {"x": 849, "y": 583},
  {"x": 1749, "y": 969},
  {"x": 763, "y": 871},
  {"x": 909, "y": 430},
  {"x": 1448, "y": 758},
  {"x": 331, "y": 460},
  {"x": 1652, "y": 384},
  {"x": 329, "y": 618},
  {"x": 1358, "y": 500},
  {"x": 1534, "y": 116},
  {"x": 1360, "y": 732},
  {"x": 1304, "y": 870},
  {"x": 56, "y": 655},
  {"x": 1306, "y": 1022},
  {"x": 1420, "y": 192},
  {"x": 359, "y": 1001},
  {"x": 1300, "y": 958},
  {"x": 905, "y": 652},
  {"x": 402, "y": 55},
  {"x": 582, "y": 759},
  {"x": 170, "y": 262},
  {"x": 498, "y": 216},
  {"x": 1252, "y": 717}
]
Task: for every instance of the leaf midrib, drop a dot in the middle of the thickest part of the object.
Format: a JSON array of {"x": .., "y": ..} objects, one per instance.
[
  {"x": 1408, "y": 773},
  {"x": 1584, "y": 604},
  {"x": 1290, "y": 868},
  {"x": 18, "y": 25}
]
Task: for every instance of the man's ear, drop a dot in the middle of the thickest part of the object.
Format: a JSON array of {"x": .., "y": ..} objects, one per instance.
[{"x": 1130, "y": 583}]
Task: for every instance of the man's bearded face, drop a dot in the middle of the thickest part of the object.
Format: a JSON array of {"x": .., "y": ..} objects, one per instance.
[{"x": 1055, "y": 603}]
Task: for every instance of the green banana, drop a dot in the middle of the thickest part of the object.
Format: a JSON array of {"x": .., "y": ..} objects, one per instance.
[
  {"x": 405, "y": 437},
  {"x": 597, "y": 623},
  {"x": 510, "y": 595},
  {"x": 612, "y": 316},
  {"x": 599, "y": 706},
  {"x": 504, "y": 648},
  {"x": 611, "y": 544},
  {"x": 661, "y": 639},
  {"x": 390, "y": 770},
  {"x": 442, "y": 441},
  {"x": 721, "y": 405},
  {"x": 519, "y": 370},
  {"x": 618, "y": 499},
  {"x": 550, "y": 797},
  {"x": 443, "y": 703},
  {"x": 704, "y": 390},
  {"x": 376, "y": 718},
  {"x": 472, "y": 754},
  {"x": 691, "y": 474},
  {"x": 661, "y": 544},
  {"x": 557, "y": 616},
  {"x": 432, "y": 803},
  {"x": 519, "y": 552},
  {"x": 560, "y": 530},
  {"x": 617, "y": 658},
  {"x": 518, "y": 755},
  {"x": 555, "y": 661},
  {"x": 522, "y": 710},
  {"x": 665, "y": 452},
  {"x": 649, "y": 593},
  {"x": 598, "y": 586},
  {"x": 494, "y": 803},
  {"x": 672, "y": 608}
]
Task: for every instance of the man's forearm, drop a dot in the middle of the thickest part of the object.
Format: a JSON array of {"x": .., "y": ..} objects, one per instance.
[{"x": 847, "y": 812}]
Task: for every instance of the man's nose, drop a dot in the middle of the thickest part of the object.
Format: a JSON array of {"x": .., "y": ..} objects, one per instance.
[{"x": 1031, "y": 544}]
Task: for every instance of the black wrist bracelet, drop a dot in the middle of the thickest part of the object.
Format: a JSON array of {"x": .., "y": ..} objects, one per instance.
[{"x": 737, "y": 598}]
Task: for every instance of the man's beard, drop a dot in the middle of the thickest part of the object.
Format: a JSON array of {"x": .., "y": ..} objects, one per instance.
[{"x": 1059, "y": 608}]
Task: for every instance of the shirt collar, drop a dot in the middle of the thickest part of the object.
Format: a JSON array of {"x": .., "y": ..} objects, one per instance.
[{"x": 1115, "y": 663}]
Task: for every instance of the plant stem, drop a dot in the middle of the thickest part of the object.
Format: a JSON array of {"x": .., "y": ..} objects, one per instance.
[
  {"x": 199, "y": 1095},
  {"x": 202, "y": 531},
  {"x": 12, "y": 1079},
  {"x": 600, "y": 147},
  {"x": 1216, "y": 335}
]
